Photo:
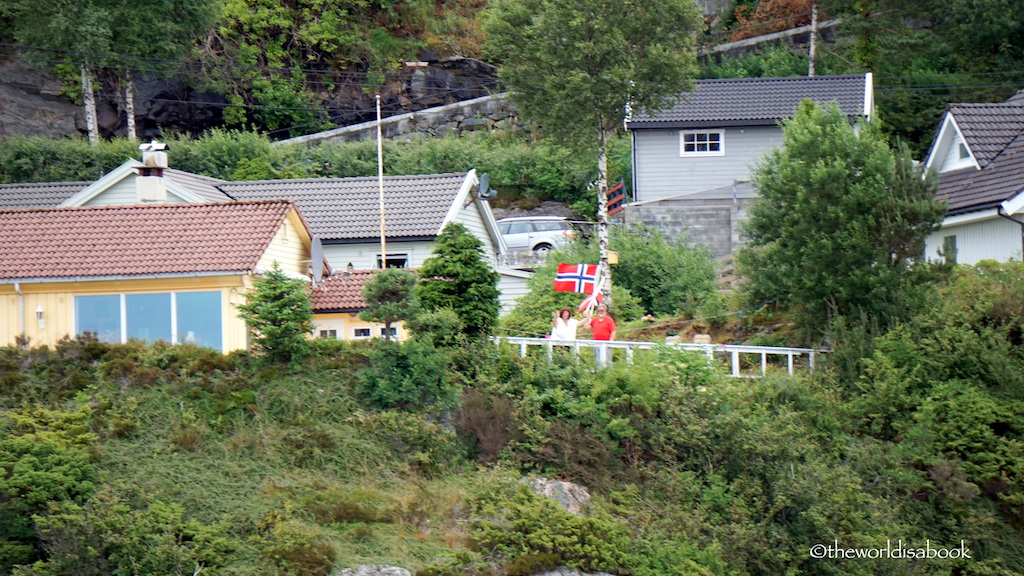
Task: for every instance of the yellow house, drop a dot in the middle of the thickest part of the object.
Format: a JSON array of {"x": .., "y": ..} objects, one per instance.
[
  {"x": 337, "y": 302},
  {"x": 171, "y": 272}
]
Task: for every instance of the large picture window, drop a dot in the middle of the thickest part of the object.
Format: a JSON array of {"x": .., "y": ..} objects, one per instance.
[
  {"x": 192, "y": 317},
  {"x": 702, "y": 143}
]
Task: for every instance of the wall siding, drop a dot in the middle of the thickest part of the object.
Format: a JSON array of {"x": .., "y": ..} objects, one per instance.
[
  {"x": 123, "y": 194},
  {"x": 995, "y": 239},
  {"x": 470, "y": 218},
  {"x": 289, "y": 248},
  {"x": 346, "y": 325},
  {"x": 662, "y": 173},
  {"x": 511, "y": 288},
  {"x": 364, "y": 256}
]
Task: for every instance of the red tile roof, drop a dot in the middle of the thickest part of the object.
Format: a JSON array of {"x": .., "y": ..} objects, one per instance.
[
  {"x": 342, "y": 292},
  {"x": 138, "y": 240}
]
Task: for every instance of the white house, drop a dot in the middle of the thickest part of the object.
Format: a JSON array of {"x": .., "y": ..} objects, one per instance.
[{"x": 979, "y": 158}]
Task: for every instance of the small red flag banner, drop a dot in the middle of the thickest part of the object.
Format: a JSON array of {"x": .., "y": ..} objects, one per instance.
[{"x": 576, "y": 278}]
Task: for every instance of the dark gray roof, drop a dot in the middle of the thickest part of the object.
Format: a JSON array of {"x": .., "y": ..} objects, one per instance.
[
  {"x": 988, "y": 128},
  {"x": 347, "y": 209},
  {"x": 204, "y": 186},
  {"x": 971, "y": 189},
  {"x": 755, "y": 101},
  {"x": 37, "y": 195}
]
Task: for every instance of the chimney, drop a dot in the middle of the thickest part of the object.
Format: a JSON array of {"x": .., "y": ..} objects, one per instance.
[{"x": 150, "y": 187}]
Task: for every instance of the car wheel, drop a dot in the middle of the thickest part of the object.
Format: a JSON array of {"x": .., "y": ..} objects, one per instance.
[{"x": 542, "y": 247}]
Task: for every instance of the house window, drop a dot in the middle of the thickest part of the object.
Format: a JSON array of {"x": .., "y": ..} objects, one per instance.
[
  {"x": 949, "y": 248},
  {"x": 395, "y": 261},
  {"x": 332, "y": 334},
  {"x": 362, "y": 333},
  {"x": 706, "y": 143},
  {"x": 185, "y": 317},
  {"x": 964, "y": 154},
  {"x": 394, "y": 332}
]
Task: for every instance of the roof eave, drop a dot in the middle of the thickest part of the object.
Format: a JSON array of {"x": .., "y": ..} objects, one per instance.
[{"x": 121, "y": 277}]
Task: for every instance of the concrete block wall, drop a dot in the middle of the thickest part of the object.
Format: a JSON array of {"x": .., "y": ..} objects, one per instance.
[{"x": 715, "y": 224}]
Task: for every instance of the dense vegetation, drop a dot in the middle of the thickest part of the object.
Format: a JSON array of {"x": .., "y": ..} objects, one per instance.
[{"x": 135, "y": 459}]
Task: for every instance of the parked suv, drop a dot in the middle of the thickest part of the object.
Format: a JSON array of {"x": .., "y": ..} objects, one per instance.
[{"x": 535, "y": 232}]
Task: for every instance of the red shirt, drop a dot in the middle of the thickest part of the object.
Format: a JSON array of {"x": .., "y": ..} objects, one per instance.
[{"x": 603, "y": 326}]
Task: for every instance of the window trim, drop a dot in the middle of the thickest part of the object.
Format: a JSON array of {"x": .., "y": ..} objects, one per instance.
[
  {"x": 355, "y": 332},
  {"x": 721, "y": 143}
]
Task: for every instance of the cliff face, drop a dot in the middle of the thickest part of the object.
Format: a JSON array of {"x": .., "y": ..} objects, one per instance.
[{"x": 31, "y": 103}]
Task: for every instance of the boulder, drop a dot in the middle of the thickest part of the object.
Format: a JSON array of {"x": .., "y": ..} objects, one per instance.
[
  {"x": 370, "y": 570},
  {"x": 573, "y": 498}
]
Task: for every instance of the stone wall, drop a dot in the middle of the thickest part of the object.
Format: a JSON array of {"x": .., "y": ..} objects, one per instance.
[
  {"x": 485, "y": 113},
  {"x": 713, "y": 223}
]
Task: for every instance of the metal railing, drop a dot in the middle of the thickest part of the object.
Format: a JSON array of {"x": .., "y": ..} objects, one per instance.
[{"x": 734, "y": 352}]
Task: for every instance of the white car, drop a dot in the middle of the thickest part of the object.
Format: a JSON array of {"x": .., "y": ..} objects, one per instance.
[{"x": 536, "y": 232}]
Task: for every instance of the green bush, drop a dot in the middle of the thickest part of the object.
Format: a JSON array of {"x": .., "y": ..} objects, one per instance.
[
  {"x": 280, "y": 313},
  {"x": 406, "y": 375}
]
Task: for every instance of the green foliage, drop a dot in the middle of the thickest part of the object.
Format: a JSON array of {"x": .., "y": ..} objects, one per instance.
[
  {"x": 653, "y": 276},
  {"x": 841, "y": 219},
  {"x": 535, "y": 532},
  {"x": 294, "y": 547},
  {"x": 574, "y": 66},
  {"x": 771, "y": 62},
  {"x": 458, "y": 277},
  {"x": 442, "y": 327},
  {"x": 280, "y": 313},
  {"x": 406, "y": 375},
  {"x": 389, "y": 298}
]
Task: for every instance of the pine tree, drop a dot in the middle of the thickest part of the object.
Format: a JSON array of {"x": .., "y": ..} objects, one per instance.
[
  {"x": 389, "y": 298},
  {"x": 280, "y": 314},
  {"x": 457, "y": 277}
]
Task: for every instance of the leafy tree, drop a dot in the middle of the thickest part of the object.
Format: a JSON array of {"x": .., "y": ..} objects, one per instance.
[
  {"x": 280, "y": 313},
  {"x": 389, "y": 298},
  {"x": 575, "y": 65},
  {"x": 842, "y": 217},
  {"x": 458, "y": 277}
]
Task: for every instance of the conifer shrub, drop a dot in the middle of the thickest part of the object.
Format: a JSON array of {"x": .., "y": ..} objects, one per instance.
[
  {"x": 408, "y": 375},
  {"x": 280, "y": 313}
]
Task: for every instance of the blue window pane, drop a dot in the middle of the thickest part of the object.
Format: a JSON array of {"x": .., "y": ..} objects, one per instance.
[
  {"x": 99, "y": 314},
  {"x": 149, "y": 316},
  {"x": 199, "y": 319}
]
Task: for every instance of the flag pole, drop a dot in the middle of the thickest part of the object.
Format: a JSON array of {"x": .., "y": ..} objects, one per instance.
[{"x": 380, "y": 185}]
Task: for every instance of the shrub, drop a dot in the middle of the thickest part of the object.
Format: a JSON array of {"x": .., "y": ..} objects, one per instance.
[
  {"x": 280, "y": 313},
  {"x": 458, "y": 277},
  {"x": 405, "y": 375}
]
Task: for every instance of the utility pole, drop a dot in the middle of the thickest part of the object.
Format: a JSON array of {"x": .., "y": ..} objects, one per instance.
[{"x": 814, "y": 37}]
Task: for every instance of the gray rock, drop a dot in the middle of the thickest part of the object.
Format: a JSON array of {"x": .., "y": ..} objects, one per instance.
[
  {"x": 369, "y": 570},
  {"x": 564, "y": 571},
  {"x": 573, "y": 498}
]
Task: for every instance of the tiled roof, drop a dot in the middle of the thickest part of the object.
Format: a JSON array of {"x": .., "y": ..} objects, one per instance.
[
  {"x": 204, "y": 186},
  {"x": 972, "y": 189},
  {"x": 348, "y": 208},
  {"x": 755, "y": 101},
  {"x": 341, "y": 292},
  {"x": 38, "y": 195},
  {"x": 988, "y": 128},
  {"x": 138, "y": 240}
]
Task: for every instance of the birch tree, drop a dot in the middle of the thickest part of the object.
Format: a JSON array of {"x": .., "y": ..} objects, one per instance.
[{"x": 574, "y": 66}]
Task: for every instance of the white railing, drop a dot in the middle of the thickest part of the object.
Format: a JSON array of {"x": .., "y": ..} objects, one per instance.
[{"x": 734, "y": 352}]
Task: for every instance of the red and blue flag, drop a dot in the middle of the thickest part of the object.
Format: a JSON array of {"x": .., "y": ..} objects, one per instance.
[{"x": 576, "y": 278}]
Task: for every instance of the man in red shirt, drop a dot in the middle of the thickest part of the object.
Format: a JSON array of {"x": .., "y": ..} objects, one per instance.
[{"x": 604, "y": 329}]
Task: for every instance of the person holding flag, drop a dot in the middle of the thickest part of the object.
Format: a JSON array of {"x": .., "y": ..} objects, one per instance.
[{"x": 603, "y": 327}]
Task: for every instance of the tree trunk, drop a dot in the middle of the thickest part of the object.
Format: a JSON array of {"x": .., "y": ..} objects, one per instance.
[
  {"x": 129, "y": 104},
  {"x": 602, "y": 214},
  {"x": 814, "y": 35},
  {"x": 89, "y": 101}
]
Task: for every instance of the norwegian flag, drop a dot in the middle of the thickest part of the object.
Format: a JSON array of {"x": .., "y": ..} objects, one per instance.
[{"x": 576, "y": 278}]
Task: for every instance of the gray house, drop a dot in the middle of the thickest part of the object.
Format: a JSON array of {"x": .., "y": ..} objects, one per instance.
[
  {"x": 979, "y": 157},
  {"x": 691, "y": 162}
]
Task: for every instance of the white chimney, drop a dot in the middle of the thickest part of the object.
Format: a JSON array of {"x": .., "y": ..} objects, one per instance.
[{"x": 150, "y": 186}]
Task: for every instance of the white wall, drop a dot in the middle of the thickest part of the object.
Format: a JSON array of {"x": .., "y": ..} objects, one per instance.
[
  {"x": 364, "y": 256},
  {"x": 992, "y": 239}
]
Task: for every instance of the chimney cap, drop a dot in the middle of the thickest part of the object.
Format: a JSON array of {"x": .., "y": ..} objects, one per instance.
[{"x": 153, "y": 146}]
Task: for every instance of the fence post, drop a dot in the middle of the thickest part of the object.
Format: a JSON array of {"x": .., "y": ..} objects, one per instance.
[
  {"x": 548, "y": 346},
  {"x": 764, "y": 362},
  {"x": 789, "y": 362},
  {"x": 522, "y": 349},
  {"x": 629, "y": 354},
  {"x": 736, "y": 363}
]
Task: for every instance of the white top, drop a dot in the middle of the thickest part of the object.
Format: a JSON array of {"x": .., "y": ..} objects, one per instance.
[{"x": 564, "y": 329}]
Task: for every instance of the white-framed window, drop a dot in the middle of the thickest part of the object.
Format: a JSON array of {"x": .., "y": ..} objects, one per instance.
[
  {"x": 384, "y": 332},
  {"x": 332, "y": 334},
  {"x": 395, "y": 261},
  {"x": 362, "y": 333},
  {"x": 702, "y": 142},
  {"x": 180, "y": 317}
]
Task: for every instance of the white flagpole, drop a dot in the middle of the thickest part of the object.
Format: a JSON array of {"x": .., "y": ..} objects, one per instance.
[{"x": 380, "y": 183}]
